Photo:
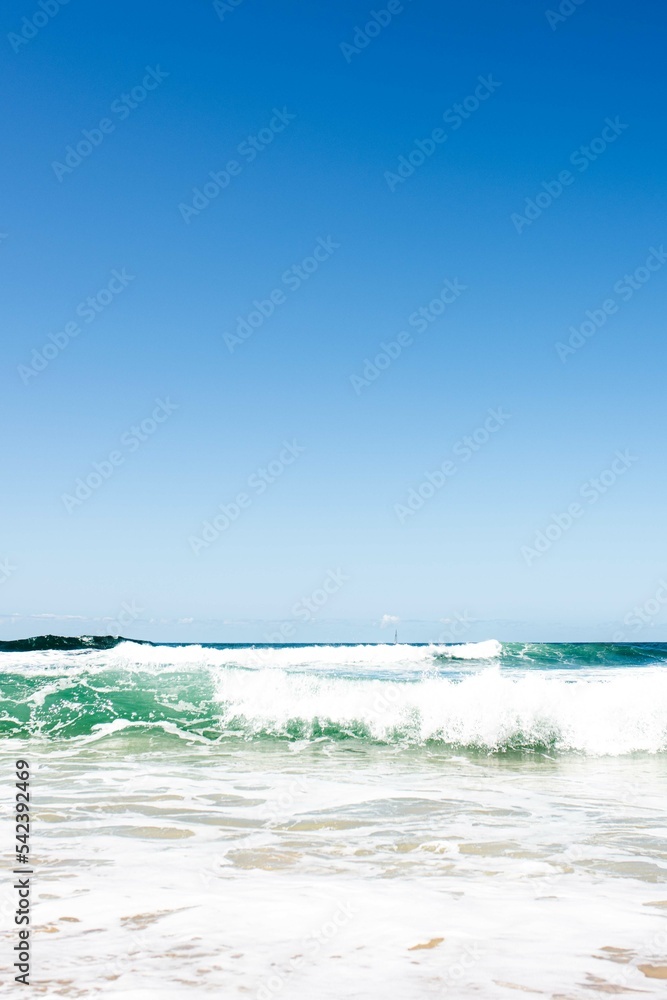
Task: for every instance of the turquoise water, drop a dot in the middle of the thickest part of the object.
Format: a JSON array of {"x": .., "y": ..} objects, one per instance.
[{"x": 594, "y": 698}]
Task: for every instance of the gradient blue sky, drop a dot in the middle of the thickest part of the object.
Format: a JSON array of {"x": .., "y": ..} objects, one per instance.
[{"x": 324, "y": 176}]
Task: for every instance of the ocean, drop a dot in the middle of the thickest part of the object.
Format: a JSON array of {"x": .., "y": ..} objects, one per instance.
[{"x": 482, "y": 820}]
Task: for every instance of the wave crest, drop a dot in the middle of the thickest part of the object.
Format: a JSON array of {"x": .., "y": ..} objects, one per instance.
[
  {"x": 473, "y": 705},
  {"x": 485, "y": 710}
]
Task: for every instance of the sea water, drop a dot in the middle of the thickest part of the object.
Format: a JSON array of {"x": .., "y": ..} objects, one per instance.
[{"x": 363, "y": 821}]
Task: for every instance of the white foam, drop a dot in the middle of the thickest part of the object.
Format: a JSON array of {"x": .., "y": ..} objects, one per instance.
[
  {"x": 385, "y": 656},
  {"x": 389, "y": 692},
  {"x": 133, "y": 655},
  {"x": 619, "y": 714},
  {"x": 206, "y": 874},
  {"x": 486, "y": 650}
]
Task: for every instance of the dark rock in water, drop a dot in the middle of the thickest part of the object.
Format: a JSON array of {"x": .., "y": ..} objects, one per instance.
[{"x": 43, "y": 642}]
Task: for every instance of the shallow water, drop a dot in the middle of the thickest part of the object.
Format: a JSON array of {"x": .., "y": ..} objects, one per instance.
[{"x": 219, "y": 847}]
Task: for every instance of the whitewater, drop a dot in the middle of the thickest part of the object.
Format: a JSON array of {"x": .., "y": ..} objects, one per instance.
[
  {"x": 475, "y": 820},
  {"x": 595, "y": 699}
]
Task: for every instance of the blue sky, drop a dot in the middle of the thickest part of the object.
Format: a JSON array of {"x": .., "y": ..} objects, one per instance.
[{"x": 304, "y": 114}]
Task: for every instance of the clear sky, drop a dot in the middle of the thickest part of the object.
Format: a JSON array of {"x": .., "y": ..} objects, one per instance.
[{"x": 215, "y": 215}]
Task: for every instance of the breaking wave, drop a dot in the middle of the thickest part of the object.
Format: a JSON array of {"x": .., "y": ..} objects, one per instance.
[{"x": 488, "y": 696}]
